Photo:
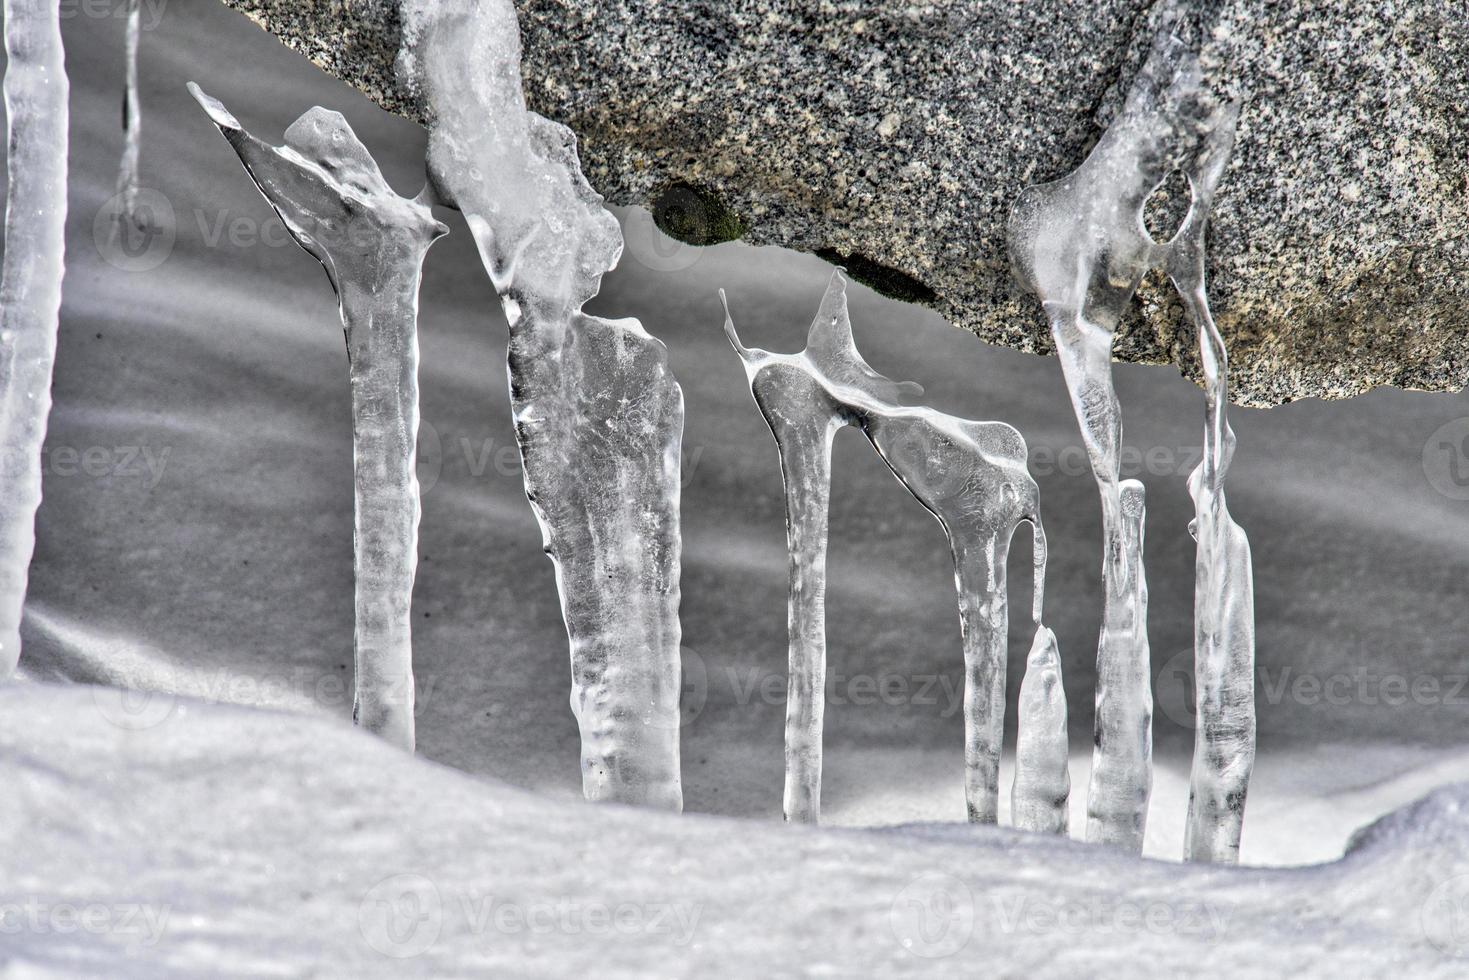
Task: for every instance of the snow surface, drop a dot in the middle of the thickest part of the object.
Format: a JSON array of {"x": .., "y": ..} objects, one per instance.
[{"x": 225, "y": 841}]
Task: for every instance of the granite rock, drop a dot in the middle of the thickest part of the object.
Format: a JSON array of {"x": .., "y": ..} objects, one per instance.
[{"x": 892, "y": 136}]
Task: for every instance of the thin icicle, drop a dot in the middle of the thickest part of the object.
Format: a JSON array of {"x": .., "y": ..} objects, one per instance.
[
  {"x": 1041, "y": 793},
  {"x": 1079, "y": 243},
  {"x": 805, "y": 399},
  {"x": 598, "y": 415},
  {"x": 969, "y": 475},
  {"x": 35, "y": 92},
  {"x": 132, "y": 117},
  {"x": 1224, "y": 593},
  {"x": 331, "y": 195},
  {"x": 1122, "y": 759}
]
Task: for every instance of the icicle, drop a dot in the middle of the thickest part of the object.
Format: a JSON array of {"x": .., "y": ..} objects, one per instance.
[
  {"x": 1224, "y": 593},
  {"x": 1122, "y": 759},
  {"x": 331, "y": 195},
  {"x": 1079, "y": 243},
  {"x": 598, "y": 415},
  {"x": 35, "y": 91},
  {"x": 132, "y": 119},
  {"x": 1039, "y": 798},
  {"x": 969, "y": 475}
]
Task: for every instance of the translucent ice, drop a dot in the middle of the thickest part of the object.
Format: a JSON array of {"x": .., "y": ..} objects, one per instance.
[
  {"x": 1042, "y": 789},
  {"x": 1224, "y": 593},
  {"x": 132, "y": 119},
  {"x": 969, "y": 475},
  {"x": 331, "y": 195},
  {"x": 1080, "y": 244},
  {"x": 598, "y": 415},
  {"x": 35, "y": 92}
]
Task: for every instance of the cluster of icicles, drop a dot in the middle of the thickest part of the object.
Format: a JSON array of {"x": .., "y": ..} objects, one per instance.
[{"x": 599, "y": 421}]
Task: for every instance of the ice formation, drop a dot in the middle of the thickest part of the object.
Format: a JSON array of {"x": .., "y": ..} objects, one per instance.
[
  {"x": 1224, "y": 591},
  {"x": 1080, "y": 244},
  {"x": 1042, "y": 788},
  {"x": 598, "y": 415},
  {"x": 972, "y": 477},
  {"x": 35, "y": 92},
  {"x": 132, "y": 119},
  {"x": 331, "y": 195}
]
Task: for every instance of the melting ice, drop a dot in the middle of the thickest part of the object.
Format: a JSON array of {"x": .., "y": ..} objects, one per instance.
[
  {"x": 334, "y": 200},
  {"x": 1079, "y": 243},
  {"x": 972, "y": 477},
  {"x": 598, "y": 415}
]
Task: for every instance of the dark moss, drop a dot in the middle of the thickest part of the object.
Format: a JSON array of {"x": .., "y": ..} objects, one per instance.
[
  {"x": 695, "y": 216},
  {"x": 878, "y": 277}
]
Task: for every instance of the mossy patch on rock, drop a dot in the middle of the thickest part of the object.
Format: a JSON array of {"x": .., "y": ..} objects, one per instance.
[{"x": 695, "y": 216}]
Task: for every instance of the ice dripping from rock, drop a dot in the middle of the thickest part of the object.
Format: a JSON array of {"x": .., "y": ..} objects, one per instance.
[
  {"x": 332, "y": 197},
  {"x": 598, "y": 415},
  {"x": 35, "y": 92},
  {"x": 1080, "y": 244},
  {"x": 1224, "y": 591},
  {"x": 971, "y": 476}
]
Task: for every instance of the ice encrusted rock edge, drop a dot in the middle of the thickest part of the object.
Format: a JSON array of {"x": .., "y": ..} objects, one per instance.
[{"x": 895, "y": 135}]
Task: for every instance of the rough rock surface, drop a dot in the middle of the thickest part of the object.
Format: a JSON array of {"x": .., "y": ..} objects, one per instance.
[{"x": 892, "y": 136}]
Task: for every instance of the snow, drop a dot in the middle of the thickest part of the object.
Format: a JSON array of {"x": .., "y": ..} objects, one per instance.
[{"x": 227, "y": 841}]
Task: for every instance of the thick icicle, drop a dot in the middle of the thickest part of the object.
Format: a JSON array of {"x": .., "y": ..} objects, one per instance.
[
  {"x": 331, "y": 195},
  {"x": 132, "y": 118},
  {"x": 1042, "y": 789},
  {"x": 970, "y": 475},
  {"x": 35, "y": 93},
  {"x": 1079, "y": 243},
  {"x": 1224, "y": 593},
  {"x": 598, "y": 415}
]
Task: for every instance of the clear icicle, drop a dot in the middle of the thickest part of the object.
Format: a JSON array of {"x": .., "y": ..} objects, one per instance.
[
  {"x": 1042, "y": 789},
  {"x": 1079, "y": 243},
  {"x": 969, "y": 475},
  {"x": 132, "y": 118},
  {"x": 1122, "y": 768},
  {"x": 331, "y": 195},
  {"x": 1224, "y": 593},
  {"x": 597, "y": 412},
  {"x": 35, "y": 92}
]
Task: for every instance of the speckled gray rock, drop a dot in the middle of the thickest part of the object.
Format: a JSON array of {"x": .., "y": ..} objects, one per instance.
[{"x": 892, "y": 136}]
